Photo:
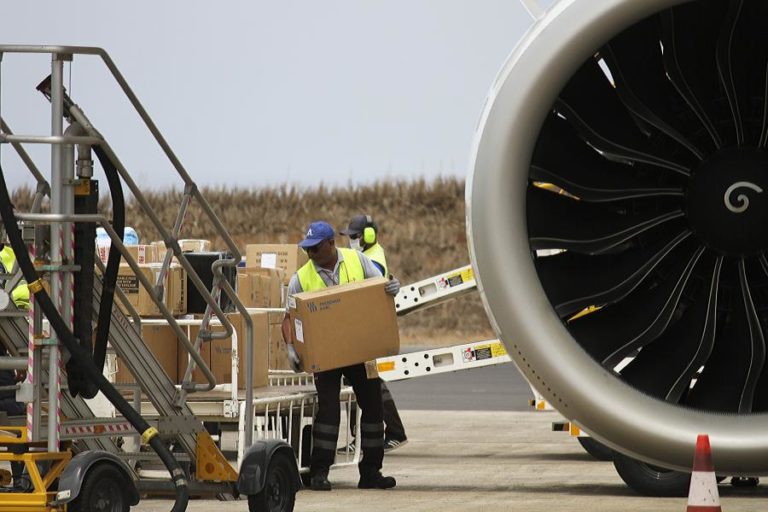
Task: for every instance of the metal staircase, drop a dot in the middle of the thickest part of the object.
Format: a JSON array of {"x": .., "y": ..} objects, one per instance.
[{"x": 176, "y": 421}]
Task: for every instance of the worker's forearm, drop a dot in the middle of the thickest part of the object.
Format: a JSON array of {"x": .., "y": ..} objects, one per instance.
[{"x": 286, "y": 328}]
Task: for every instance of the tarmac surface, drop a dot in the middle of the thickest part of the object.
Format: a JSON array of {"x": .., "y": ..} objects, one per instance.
[
  {"x": 502, "y": 459},
  {"x": 486, "y": 461}
]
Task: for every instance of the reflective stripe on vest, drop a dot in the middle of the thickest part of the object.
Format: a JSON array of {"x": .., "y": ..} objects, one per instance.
[
  {"x": 20, "y": 294},
  {"x": 350, "y": 270},
  {"x": 376, "y": 253}
]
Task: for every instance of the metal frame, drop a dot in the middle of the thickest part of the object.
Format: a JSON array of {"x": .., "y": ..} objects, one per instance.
[
  {"x": 124, "y": 337},
  {"x": 40, "y": 496}
]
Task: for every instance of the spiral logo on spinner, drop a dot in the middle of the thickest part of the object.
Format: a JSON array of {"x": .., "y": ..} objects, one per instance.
[{"x": 742, "y": 199}]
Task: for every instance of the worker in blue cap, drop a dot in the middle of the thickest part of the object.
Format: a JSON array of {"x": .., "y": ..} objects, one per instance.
[{"x": 329, "y": 265}]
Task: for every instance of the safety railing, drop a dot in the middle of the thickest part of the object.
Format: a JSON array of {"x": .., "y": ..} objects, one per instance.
[
  {"x": 63, "y": 107},
  {"x": 290, "y": 417}
]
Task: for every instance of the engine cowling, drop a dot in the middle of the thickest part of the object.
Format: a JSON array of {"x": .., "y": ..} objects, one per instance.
[{"x": 617, "y": 211}]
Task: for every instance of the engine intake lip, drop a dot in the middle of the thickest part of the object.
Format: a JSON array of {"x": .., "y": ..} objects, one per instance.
[{"x": 520, "y": 99}]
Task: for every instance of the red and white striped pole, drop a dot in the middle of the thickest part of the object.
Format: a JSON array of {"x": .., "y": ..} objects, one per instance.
[{"x": 702, "y": 494}]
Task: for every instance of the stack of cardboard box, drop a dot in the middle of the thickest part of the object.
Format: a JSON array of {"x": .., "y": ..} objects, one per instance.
[
  {"x": 174, "y": 284},
  {"x": 161, "y": 341},
  {"x": 217, "y": 354},
  {"x": 286, "y": 257},
  {"x": 262, "y": 284},
  {"x": 259, "y": 287}
]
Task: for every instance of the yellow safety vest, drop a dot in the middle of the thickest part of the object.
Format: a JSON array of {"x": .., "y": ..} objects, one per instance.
[
  {"x": 376, "y": 254},
  {"x": 20, "y": 294},
  {"x": 350, "y": 270}
]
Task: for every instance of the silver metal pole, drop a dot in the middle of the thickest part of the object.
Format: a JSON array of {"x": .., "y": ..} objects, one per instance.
[{"x": 58, "y": 205}]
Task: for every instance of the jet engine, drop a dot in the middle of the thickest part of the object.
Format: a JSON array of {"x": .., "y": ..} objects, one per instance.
[{"x": 617, "y": 212}]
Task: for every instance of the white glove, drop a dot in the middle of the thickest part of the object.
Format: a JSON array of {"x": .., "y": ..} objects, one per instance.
[
  {"x": 293, "y": 358},
  {"x": 393, "y": 286}
]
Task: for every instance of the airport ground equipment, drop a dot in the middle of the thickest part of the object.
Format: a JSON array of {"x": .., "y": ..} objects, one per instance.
[
  {"x": 649, "y": 118},
  {"x": 93, "y": 461}
]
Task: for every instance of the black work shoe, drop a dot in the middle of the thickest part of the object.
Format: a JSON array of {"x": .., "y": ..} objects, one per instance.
[
  {"x": 319, "y": 482},
  {"x": 393, "y": 444},
  {"x": 376, "y": 481}
]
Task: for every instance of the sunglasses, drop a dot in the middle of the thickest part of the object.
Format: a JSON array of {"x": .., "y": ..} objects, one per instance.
[{"x": 315, "y": 248}]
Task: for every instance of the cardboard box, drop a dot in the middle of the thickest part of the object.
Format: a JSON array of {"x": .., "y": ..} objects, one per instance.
[
  {"x": 278, "y": 351},
  {"x": 189, "y": 245},
  {"x": 288, "y": 257},
  {"x": 143, "y": 254},
  {"x": 260, "y": 288},
  {"x": 184, "y": 357},
  {"x": 344, "y": 325},
  {"x": 222, "y": 356},
  {"x": 175, "y": 289},
  {"x": 161, "y": 341}
]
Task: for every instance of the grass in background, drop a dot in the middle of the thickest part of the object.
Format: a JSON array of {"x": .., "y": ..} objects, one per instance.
[{"x": 421, "y": 226}]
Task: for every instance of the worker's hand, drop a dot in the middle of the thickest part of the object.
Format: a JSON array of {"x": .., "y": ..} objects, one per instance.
[
  {"x": 393, "y": 286},
  {"x": 293, "y": 358}
]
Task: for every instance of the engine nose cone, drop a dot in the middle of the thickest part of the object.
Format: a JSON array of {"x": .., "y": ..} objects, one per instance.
[{"x": 727, "y": 202}]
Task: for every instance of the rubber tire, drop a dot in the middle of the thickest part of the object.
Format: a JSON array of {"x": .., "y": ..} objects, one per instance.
[
  {"x": 596, "y": 449},
  {"x": 280, "y": 475},
  {"x": 651, "y": 480},
  {"x": 96, "y": 486}
]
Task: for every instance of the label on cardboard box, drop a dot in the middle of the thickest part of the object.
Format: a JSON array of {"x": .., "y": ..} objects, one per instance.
[
  {"x": 269, "y": 260},
  {"x": 292, "y": 302},
  {"x": 129, "y": 283},
  {"x": 299, "y": 330}
]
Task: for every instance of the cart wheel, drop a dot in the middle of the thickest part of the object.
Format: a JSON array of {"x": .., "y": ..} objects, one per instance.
[
  {"x": 595, "y": 448},
  {"x": 306, "y": 479},
  {"x": 279, "y": 493},
  {"x": 102, "y": 491},
  {"x": 650, "y": 480}
]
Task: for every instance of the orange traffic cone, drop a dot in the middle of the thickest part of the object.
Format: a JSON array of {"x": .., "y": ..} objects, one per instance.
[{"x": 702, "y": 495}]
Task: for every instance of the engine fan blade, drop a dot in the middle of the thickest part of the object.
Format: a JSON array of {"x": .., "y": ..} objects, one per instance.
[
  {"x": 689, "y": 38},
  {"x": 664, "y": 367},
  {"x": 756, "y": 340},
  {"x": 725, "y": 66},
  {"x": 742, "y": 58},
  {"x": 574, "y": 281},
  {"x": 707, "y": 329},
  {"x": 591, "y": 105},
  {"x": 615, "y": 331},
  {"x": 558, "y": 222},
  {"x": 563, "y": 159},
  {"x": 727, "y": 380},
  {"x": 636, "y": 64},
  {"x": 763, "y": 263}
]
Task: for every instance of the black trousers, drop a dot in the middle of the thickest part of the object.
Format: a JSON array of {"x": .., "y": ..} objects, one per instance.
[
  {"x": 325, "y": 430},
  {"x": 393, "y": 425}
]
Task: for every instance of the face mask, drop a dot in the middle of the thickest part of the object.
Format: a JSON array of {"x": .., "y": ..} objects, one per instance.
[{"x": 354, "y": 243}]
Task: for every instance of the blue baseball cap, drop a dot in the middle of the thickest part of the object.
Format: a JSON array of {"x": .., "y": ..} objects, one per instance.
[{"x": 316, "y": 233}]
